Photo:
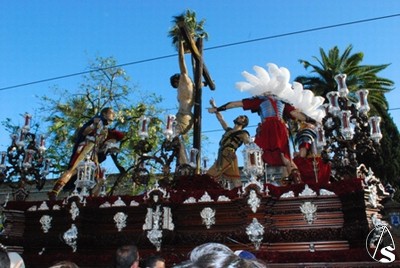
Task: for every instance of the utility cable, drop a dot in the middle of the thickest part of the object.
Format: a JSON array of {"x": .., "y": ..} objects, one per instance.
[{"x": 210, "y": 48}]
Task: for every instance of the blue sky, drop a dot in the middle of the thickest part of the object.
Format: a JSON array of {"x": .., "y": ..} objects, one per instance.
[{"x": 47, "y": 39}]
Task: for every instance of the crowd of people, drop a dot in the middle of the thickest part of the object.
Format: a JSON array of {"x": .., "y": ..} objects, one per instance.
[
  {"x": 207, "y": 255},
  {"x": 216, "y": 255}
]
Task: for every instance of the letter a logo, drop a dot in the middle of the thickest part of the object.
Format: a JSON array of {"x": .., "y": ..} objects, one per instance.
[{"x": 380, "y": 244}]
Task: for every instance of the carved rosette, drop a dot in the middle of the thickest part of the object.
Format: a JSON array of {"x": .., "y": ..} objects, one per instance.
[
  {"x": 74, "y": 211},
  {"x": 309, "y": 211},
  {"x": 71, "y": 236},
  {"x": 253, "y": 201},
  {"x": 255, "y": 232},
  {"x": 120, "y": 220},
  {"x": 45, "y": 220},
  {"x": 155, "y": 237},
  {"x": 208, "y": 216}
]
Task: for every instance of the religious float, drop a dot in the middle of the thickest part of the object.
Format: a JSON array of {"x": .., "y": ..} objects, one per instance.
[{"x": 327, "y": 220}]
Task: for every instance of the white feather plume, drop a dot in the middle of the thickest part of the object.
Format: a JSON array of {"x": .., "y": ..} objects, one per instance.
[{"x": 275, "y": 81}]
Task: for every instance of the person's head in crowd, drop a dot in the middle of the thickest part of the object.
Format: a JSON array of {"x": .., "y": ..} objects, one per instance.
[
  {"x": 154, "y": 261},
  {"x": 127, "y": 256},
  {"x": 220, "y": 259},
  {"x": 64, "y": 264},
  {"x": 216, "y": 255},
  {"x": 209, "y": 248},
  {"x": 4, "y": 258},
  {"x": 16, "y": 260}
]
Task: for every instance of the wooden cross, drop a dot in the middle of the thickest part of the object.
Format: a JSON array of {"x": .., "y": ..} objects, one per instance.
[{"x": 200, "y": 70}]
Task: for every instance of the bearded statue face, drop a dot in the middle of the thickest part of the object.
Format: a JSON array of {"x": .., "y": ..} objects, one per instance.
[{"x": 241, "y": 120}]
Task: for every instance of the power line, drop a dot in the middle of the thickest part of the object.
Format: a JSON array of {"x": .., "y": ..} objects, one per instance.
[
  {"x": 86, "y": 72},
  {"x": 305, "y": 31},
  {"x": 210, "y": 48}
]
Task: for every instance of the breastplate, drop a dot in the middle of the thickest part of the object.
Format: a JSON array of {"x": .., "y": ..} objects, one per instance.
[{"x": 267, "y": 109}]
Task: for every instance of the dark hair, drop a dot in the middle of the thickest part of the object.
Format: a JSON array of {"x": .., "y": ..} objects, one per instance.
[
  {"x": 245, "y": 123},
  {"x": 173, "y": 78},
  {"x": 152, "y": 260},
  {"x": 105, "y": 110},
  {"x": 126, "y": 255}
]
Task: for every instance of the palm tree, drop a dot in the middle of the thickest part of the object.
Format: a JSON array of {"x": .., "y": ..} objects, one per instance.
[
  {"x": 358, "y": 76},
  {"x": 195, "y": 28}
]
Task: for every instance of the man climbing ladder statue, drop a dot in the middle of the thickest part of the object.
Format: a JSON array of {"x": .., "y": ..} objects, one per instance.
[{"x": 91, "y": 138}]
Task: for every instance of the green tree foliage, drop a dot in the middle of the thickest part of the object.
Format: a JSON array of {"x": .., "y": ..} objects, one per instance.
[
  {"x": 389, "y": 164},
  {"x": 106, "y": 86},
  {"x": 196, "y": 28},
  {"x": 359, "y": 76}
]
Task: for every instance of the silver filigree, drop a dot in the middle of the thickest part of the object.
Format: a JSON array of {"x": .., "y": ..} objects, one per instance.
[
  {"x": 45, "y": 220},
  {"x": 155, "y": 221},
  {"x": 288, "y": 194},
  {"x": 372, "y": 196},
  {"x": 133, "y": 203},
  {"x": 307, "y": 192},
  {"x": 309, "y": 211},
  {"x": 105, "y": 205},
  {"x": 157, "y": 188},
  {"x": 32, "y": 208},
  {"x": 155, "y": 237},
  {"x": 253, "y": 163},
  {"x": 266, "y": 190},
  {"x": 206, "y": 198},
  {"x": 239, "y": 193},
  {"x": 325, "y": 192},
  {"x": 223, "y": 198},
  {"x": 74, "y": 211},
  {"x": 148, "y": 221},
  {"x": 85, "y": 180},
  {"x": 120, "y": 220},
  {"x": 43, "y": 206},
  {"x": 255, "y": 232},
  {"x": 208, "y": 216},
  {"x": 253, "y": 183},
  {"x": 70, "y": 237},
  {"x": 253, "y": 201},
  {"x": 152, "y": 220},
  {"x": 311, "y": 247},
  {"x": 190, "y": 200},
  {"x": 376, "y": 221},
  {"x": 119, "y": 203},
  {"x": 167, "y": 219}
]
